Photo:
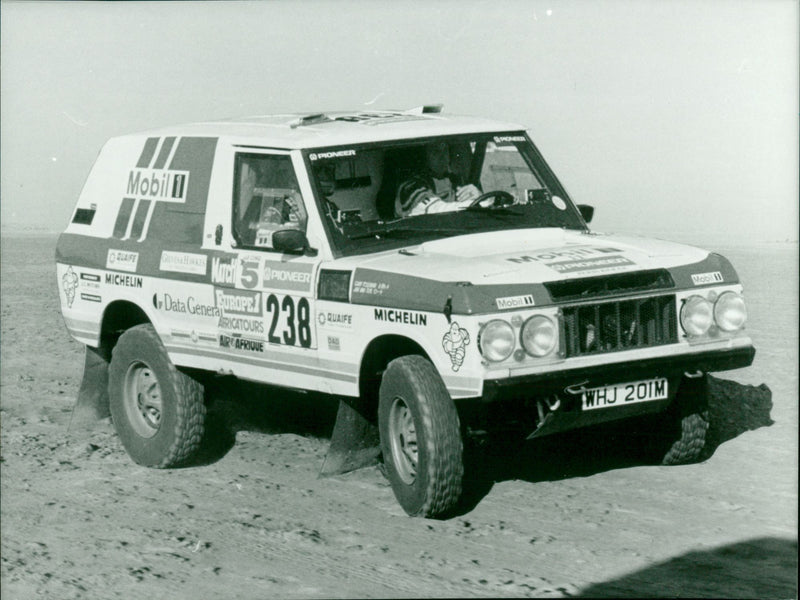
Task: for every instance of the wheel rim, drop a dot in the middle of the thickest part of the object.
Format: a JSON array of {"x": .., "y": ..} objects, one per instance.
[
  {"x": 403, "y": 440},
  {"x": 142, "y": 399}
]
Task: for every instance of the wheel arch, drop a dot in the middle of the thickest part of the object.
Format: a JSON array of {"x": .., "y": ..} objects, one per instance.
[
  {"x": 118, "y": 317},
  {"x": 376, "y": 357}
]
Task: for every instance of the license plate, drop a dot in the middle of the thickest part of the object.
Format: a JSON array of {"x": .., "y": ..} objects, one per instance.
[{"x": 622, "y": 394}]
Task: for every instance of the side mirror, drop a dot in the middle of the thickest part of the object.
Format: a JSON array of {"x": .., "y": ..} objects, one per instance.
[
  {"x": 587, "y": 212},
  {"x": 292, "y": 241}
]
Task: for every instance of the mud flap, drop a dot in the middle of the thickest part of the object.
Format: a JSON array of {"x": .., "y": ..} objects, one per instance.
[
  {"x": 92, "y": 404},
  {"x": 355, "y": 442}
]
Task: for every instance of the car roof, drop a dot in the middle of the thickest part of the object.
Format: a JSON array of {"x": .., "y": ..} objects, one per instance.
[{"x": 314, "y": 130}]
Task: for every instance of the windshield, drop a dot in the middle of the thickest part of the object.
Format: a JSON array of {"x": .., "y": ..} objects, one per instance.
[{"x": 390, "y": 194}]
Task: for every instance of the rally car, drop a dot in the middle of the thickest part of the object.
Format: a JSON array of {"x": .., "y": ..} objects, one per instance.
[{"x": 428, "y": 270}]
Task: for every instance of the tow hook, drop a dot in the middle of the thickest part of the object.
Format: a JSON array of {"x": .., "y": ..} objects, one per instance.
[
  {"x": 576, "y": 389},
  {"x": 696, "y": 375}
]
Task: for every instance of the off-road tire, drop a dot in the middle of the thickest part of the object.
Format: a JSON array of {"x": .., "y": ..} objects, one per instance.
[
  {"x": 175, "y": 436},
  {"x": 682, "y": 435},
  {"x": 691, "y": 440},
  {"x": 430, "y": 486}
]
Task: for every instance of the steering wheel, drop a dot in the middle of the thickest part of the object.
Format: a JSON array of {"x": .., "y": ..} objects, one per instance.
[{"x": 502, "y": 196}]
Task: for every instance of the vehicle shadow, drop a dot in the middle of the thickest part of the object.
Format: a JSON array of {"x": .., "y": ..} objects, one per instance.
[
  {"x": 734, "y": 408},
  {"x": 756, "y": 568},
  {"x": 234, "y": 405}
]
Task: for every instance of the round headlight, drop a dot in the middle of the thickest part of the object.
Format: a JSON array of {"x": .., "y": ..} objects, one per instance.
[
  {"x": 696, "y": 315},
  {"x": 539, "y": 335},
  {"x": 496, "y": 340},
  {"x": 730, "y": 312}
]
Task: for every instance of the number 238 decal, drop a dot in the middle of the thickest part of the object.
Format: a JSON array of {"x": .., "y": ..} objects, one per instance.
[{"x": 289, "y": 321}]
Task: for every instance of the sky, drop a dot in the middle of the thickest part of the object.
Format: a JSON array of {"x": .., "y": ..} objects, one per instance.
[{"x": 674, "y": 118}]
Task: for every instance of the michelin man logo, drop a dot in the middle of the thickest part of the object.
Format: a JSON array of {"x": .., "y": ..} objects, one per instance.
[
  {"x": 70, "y": 282},
  {"x": 455, "y": 344}
]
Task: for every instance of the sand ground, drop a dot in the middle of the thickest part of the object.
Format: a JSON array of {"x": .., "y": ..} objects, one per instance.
[{"x": 566, "y": 516}]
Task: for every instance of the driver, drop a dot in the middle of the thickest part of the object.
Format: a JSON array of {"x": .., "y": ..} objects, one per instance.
[{"x": 435, "y": 190}]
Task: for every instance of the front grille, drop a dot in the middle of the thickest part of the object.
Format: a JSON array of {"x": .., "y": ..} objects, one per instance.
[{"x": 624, "y": 325}]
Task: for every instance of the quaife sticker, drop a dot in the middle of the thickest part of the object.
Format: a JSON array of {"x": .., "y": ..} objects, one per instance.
[
  {"x": 455, "y": 343},
  {"x": 514, "y": 302},
  {"x": 122, "y": 260},
  {"x": 183, "y": 262},
  {"x": 706, "y": 278}
]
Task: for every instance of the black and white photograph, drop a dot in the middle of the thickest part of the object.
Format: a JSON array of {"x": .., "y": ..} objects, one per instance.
[{"x": 373, "y": 299}]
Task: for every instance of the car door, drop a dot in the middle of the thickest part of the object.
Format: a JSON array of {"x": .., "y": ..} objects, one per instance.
[{"x": 265, "y": 296}]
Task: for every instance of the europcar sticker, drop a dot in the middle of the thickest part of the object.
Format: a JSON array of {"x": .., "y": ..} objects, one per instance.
[
  {"x": 455, "y": 343},
  {"x": 705, "y": 278},
  {"x": 122, "y": 260},
  {"x": 514, "y": 302}
]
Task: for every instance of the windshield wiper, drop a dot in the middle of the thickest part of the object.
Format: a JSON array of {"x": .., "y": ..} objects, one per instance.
[{"x": 406, "y": 231}]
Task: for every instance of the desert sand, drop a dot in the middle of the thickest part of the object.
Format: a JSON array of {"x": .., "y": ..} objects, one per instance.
[{"x": 570, "y": 515}]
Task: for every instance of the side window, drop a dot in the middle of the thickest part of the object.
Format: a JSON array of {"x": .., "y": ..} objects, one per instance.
[{"x": 266, "y": 199}]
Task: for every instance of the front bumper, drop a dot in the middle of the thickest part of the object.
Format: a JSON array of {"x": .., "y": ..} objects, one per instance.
[{"x": 529, "y": 399}]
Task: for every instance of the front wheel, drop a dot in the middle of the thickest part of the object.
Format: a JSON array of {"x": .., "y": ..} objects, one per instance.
[
  {"x": 420, "y": 438},
  {"x": 158, "y": 412},
  {"x": 681, "y": 438}
]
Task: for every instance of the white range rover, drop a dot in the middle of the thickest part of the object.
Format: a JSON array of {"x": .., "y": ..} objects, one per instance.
[{"x": 430, "y": 271}]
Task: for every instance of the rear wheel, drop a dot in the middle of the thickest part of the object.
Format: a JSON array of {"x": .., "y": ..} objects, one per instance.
[
  {"x": 420, "y": 438},
  {"x": 158, "y": 411}
]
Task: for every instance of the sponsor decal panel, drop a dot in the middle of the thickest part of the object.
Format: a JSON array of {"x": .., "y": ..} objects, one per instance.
[
  {"x": 90, "y": 280},
  {"x": 238, "y": 302},
  {"x": 706, "y": 278},
  {"x": 506, "y": 139},
  {"x": 69, "y": 283},
  {"x": 91, "y": 297},
  {"x": 158, "y": 184},
  {"x": 194, "y": 336},
  {"x": 514, "y": 302},
  {"x": 241, "y": 324},
  {"x": 287, "y": 276},
  {"x": 122, "y": 260},
  {"x": 406, "y": 317},
  {"x": 189, "y": 305},
  {"x": 132, "y": 281},
  {"x": 333, "y": 154},
  {"x": 591, "y": 264},
  {"x": 551, "y": 255},
  {"x": 224, "y": 270},
  {"x": 183, "y": 262},
  {"x": 334, "y": 343},
  {"x": 335, "y": 319},
  {"x": 370, "y": 288},
  {"x": 237, "y": 342},
  {"x": 455, "y": 342}
]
